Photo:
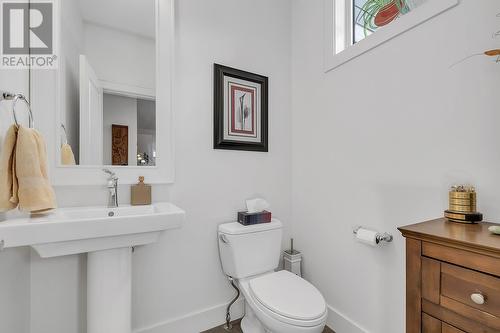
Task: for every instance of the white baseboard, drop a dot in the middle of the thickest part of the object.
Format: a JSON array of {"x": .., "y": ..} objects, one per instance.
[
  {"x": 205, "y": 319},
  {"x": 198, "y": 321},
  {"x": 340, "y": 323}
]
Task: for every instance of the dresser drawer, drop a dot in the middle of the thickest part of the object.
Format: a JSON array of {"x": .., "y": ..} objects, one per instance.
[
  {"x": 469, "y": 259},
  {"x": 450, "y": 329},
  {"x": 470, "y": 294},
  {"x": 431, "y": 324},
  {"x": 477, "y": 290}
]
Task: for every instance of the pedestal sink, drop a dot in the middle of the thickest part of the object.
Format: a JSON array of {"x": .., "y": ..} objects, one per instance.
[{"x": 107, "y": 235}]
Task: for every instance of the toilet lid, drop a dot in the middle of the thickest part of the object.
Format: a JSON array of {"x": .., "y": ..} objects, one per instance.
[{"x": 288, "y": 295}]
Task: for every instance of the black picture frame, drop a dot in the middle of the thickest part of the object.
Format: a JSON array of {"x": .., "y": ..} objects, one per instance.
[{"x": 220, "y": 72}]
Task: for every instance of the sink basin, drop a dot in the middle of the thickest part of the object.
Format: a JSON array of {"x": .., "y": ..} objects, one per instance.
[
  {"x": 102, "y": 212},
  {"x": 79, "y": 230},
  {"x": 107, "y": 235}
]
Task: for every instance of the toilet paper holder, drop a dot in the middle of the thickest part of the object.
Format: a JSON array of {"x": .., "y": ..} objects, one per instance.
[{"x": 381, "y": 237}]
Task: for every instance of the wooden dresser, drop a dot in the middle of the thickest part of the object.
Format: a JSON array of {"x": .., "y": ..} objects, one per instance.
[{"x": 452, "y": 278}]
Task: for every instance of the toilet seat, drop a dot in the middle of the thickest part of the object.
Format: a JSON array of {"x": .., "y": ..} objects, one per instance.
[{"x": 288, "y": 298}]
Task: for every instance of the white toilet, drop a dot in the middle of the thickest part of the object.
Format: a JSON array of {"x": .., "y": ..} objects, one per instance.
[{"x": 276, "y": 302}]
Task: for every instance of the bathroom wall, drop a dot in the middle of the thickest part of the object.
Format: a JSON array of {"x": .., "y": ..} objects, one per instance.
[
  {"x": 14, "y": 264},
  {"x": 181, "y": 276},
  {"x": 178, "y": 283},
  {"x": 377, "y": 142}
]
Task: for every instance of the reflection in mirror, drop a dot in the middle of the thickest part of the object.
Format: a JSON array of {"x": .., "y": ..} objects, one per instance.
[{"x": 108, "y": 82}]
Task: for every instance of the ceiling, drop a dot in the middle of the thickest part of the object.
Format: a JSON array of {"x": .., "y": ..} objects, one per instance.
[{"x": 132, "y": 16}]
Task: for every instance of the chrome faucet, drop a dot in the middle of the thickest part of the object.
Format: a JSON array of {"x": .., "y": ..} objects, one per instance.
[{"x": 112, "y": 188}]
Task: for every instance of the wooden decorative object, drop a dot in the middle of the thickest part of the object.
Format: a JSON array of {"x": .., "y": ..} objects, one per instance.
[
  {"x": 452, "y": 278},
  {"x": 119, "y": 144},
  {"x": 140, "y": 194}
]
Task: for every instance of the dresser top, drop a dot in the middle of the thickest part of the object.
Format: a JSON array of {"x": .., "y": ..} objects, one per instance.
[{"x": 470, "y": 235}]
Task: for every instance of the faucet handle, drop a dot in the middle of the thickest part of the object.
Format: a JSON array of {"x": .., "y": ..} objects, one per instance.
[{"x": 111, "y": 174}]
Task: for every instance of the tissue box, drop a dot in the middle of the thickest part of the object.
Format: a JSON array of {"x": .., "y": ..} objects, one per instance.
[{"x": 254, "y": 218}]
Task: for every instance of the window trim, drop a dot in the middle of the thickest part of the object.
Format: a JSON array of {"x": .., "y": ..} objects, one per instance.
[{"x": 334, "y": 58}]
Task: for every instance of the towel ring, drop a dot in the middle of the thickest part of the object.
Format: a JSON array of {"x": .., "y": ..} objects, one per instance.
[{"x": 16, "y": 98}]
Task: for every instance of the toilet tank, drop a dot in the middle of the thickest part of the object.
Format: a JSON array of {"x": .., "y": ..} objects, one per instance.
[{"x": 250, "y": 250}]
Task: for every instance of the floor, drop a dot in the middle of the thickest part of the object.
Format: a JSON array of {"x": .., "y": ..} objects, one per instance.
[{"x": 237, "y": 329}]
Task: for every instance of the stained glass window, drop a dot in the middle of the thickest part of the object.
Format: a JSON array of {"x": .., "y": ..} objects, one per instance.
[
  {"x": 358, "y": 30},
  {"x": 369, "y": 15}
]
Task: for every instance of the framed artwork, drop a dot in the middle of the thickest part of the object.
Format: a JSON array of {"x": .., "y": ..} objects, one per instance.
[
  {"x": 240, "y": 110},
  {"x": 119, "y": 145}
]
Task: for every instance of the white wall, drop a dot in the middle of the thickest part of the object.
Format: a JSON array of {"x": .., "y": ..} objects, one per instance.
[
  {"x": 58, "y": 294},
  {"x": 14, "y": 264},
  {"x": 121, "y": 57},
  {"x": 178, "y": 283},
  {"x": 378, "y": 141},
  {"x": 15, "y": 282},
  {"x": 119, "y": 110},
  {"x": 181, "y": 274}
]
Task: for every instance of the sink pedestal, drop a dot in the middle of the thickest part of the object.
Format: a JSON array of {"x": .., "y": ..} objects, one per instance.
[
  {"x": 109, "y": 291},
  {"x": 107, "y": 235}
]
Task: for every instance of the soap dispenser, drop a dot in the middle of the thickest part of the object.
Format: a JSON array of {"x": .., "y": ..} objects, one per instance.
[{"x": 140, "y": 193}]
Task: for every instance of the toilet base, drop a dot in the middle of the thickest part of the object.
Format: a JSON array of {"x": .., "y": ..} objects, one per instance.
[
  {"x": 261, "y": 322},
  {"x": 250, "y": 323}
]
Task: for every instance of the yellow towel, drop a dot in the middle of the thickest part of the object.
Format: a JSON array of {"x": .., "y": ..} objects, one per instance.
[
  {"x": 67, "y": 156},
  {"x": 8, "y": 180},
  {"x": 35, "y": 191}
]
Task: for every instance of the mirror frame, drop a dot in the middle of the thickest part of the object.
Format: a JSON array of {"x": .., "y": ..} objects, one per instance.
[{"x": 45, "y": 95}]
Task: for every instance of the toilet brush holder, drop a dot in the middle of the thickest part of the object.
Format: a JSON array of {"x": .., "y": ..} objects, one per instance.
[{"x": 292, "y": 262}]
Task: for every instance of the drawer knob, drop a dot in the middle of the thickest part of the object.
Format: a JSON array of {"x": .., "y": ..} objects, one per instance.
[{"x": 477, "y": 298}]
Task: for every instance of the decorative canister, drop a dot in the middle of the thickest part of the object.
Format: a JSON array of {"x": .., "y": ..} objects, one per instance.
[{"x": 463, "y": 205}]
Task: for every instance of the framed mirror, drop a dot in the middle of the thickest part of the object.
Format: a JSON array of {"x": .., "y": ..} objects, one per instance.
[{"x": 111, "y": 93}]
